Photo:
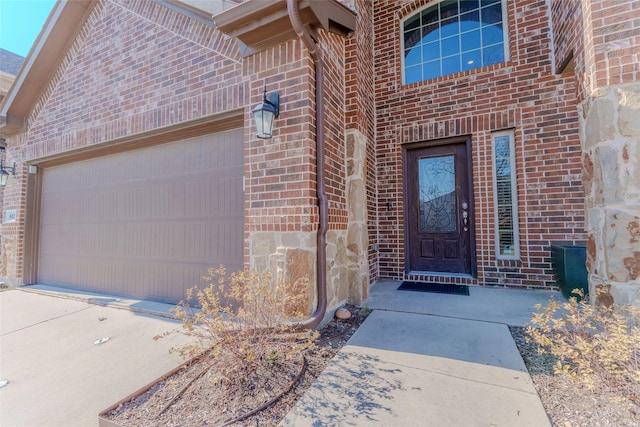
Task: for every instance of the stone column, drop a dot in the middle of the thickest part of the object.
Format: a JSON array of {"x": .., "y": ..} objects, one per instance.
[
  {"x": 610, "y": 135},
  {"x": 357, "y": 235}
]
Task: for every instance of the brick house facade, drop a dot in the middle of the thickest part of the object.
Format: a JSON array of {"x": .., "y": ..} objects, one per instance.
[
  {"x": 9, "y": 66},
  {"x": 522, "y": 94},
  {"x": 143, "y": 75}
]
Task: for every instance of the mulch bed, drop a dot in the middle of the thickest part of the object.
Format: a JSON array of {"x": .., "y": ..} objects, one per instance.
[
  {"x": 567, "y": 403},
  {"x": 203, "y": 400},
  {"x": 571, "y": 404}
]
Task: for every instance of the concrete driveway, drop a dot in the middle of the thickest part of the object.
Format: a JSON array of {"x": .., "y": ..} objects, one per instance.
[{"x": 57, "y": 375}]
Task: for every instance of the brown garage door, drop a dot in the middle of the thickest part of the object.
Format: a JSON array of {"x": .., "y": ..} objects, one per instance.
[{"x": 145, "y": 223}]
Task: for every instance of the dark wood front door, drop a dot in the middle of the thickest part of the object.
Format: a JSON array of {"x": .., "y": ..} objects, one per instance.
[{"x": 439, "y": 208}]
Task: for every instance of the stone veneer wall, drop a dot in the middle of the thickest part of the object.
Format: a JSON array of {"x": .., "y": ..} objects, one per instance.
[
  {"x": 357, "y": 232},
  {"x": 609, "y": 73},
  {"x": 610, "y": 128}
]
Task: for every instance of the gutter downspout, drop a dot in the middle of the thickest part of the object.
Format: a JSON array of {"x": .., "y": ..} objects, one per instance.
[{"x": 323, "y": 207}]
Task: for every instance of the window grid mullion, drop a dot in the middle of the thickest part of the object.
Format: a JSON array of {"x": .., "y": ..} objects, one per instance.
[{"x": 431, "y": 67}]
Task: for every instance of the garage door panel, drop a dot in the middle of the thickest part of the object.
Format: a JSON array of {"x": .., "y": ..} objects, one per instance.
[
  {"x": 207, "y": 195},
  {"x": 189, "y": 241},
  {"x": 166, "y": 282},
  {"x": 146, "y": 223}
]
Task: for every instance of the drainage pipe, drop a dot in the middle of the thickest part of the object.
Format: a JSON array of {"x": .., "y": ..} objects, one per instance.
[{"x": 323, "y": 206}]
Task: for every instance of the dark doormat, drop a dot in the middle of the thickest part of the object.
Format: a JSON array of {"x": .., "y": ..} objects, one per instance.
[{"x": 441, "y": 288}]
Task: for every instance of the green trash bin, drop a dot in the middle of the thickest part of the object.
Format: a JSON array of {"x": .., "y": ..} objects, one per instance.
[{"x": 569, "y": 265}]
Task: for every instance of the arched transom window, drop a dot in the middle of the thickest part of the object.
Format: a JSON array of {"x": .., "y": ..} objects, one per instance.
[{"x": 453, "y": 36}]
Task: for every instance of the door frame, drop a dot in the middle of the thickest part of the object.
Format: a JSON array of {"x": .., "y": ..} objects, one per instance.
[{"x": 472, "y": 211}]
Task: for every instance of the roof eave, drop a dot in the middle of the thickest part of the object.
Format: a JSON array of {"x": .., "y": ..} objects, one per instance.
[
  {"x": 260, "y": 24},
  {"x": 11, "y": 125}
]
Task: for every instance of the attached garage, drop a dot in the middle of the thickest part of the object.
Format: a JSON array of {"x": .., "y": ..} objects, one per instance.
[{"x": 147, "y": 222}]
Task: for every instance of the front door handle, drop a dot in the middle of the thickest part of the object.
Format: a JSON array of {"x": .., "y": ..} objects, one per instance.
[{"x": 465, "y": 216}]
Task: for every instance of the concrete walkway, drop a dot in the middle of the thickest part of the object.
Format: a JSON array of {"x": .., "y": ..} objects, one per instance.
[
  {"x": 420, "y": 359},
  {"x": 57, "y": 375},
  {"x": 425, "y": 359}
]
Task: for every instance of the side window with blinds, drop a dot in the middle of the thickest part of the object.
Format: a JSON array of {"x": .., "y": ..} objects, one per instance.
[{"x": 505, "y": 191}]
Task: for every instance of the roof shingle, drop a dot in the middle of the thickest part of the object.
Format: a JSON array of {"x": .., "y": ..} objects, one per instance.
[{"x": 10, "y": 62}]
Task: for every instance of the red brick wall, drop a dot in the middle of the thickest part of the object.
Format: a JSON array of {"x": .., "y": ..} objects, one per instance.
[
  {"x": 137, "y": 66},
  {"x": 612, "y": 51},
  {"x": 566, "y": 20},
  {"x": 360, "y": 105},
  {"x": 333, "y": 49},
  {"x": 604, "y": 37},
  {"x": 12, "y": 253},
  {"x": 140, "y": 66},
  {"x": 134, "y": 67},
  {"x": 280, "y": 190},
  {"x": 523, "y": 94}
]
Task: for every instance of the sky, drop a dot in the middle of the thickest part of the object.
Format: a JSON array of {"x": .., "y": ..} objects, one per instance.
[{"x": 21, "y": 22}]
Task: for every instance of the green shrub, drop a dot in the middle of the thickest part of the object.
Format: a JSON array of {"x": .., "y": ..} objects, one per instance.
[{"x": 592, "y": 343}]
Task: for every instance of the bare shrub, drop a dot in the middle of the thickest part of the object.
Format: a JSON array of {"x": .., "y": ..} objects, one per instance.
[
  {"x": 239, "y": 322},
  {"x": 592, "y": 343}
]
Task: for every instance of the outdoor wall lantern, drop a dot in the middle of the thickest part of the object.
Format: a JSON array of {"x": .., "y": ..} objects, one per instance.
[
  {"x": 265, "y": 113},
  {"x": 5, "y": 172}
]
